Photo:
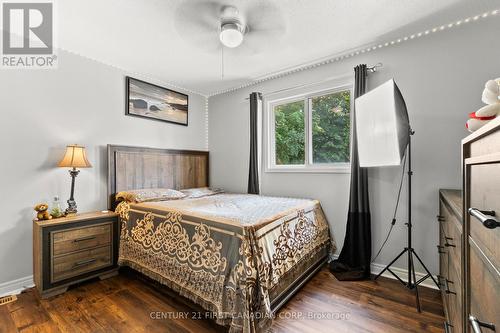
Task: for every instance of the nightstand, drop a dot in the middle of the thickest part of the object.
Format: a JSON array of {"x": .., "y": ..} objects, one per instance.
[{"x": 73, "y": 249}]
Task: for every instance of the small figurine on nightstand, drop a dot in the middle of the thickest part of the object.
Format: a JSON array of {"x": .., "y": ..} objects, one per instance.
[
  {"x": 56, "y": 209},
  {"x": 42, "y": 213}
]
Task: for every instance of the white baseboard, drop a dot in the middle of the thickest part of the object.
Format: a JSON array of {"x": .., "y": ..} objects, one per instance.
[
  {"x": 401, "y": 273},
  {"x": 15, "y": 287}
]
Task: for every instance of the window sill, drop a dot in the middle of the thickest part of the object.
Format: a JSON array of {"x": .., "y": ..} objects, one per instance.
[{"x": 339, "y": 169}]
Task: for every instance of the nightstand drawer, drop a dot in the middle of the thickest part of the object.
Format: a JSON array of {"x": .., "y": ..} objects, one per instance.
[
  {"x": 67, "y": 241},
  {"x": 71, "y": 265}
]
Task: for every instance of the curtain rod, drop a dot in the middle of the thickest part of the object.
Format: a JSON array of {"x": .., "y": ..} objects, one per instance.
[
  {"x": 371, "y": 69},
  {"x": 375, "y": 67}
]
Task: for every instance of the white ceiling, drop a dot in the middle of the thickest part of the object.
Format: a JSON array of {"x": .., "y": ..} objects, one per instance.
[{"x": 161, "y": 39}]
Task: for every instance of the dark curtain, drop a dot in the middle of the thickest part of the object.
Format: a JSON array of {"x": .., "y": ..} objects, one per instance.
[
  {"x": 354, "y": 259},
  {"x": 253, "y": 170}
]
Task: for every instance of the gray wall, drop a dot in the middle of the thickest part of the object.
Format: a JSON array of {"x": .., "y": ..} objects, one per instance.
[
  {"x": 82, "y": 102},
  {"x": 442, "y": 78}
]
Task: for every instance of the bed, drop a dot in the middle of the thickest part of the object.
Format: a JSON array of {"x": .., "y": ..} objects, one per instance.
[{"x": 240, "y": 257}]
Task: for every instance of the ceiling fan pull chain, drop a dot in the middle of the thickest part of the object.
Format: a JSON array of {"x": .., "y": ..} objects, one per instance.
[{"x": 222, "y": 63}]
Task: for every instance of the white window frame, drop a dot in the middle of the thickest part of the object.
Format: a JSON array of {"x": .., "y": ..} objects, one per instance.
[{"x": 308, "y": 166}]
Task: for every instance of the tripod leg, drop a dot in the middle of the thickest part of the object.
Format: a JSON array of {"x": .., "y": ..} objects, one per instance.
[
  {"x": 390, "y": 264},
  {"x": 415, "y": 279},
  {"x": 432, "y": 277}
]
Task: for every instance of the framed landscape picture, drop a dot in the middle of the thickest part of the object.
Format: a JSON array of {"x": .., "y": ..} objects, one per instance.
[{"x": 148, "y": 100}]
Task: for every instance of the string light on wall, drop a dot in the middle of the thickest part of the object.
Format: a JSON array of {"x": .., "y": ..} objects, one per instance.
[{"x": 206, "y": 123}]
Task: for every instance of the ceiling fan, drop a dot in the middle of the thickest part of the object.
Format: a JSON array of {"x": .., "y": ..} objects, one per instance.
[{"x": 247, "y": 28}]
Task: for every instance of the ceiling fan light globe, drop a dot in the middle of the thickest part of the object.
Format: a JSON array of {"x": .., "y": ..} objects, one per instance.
[{"x": 231, "y": 35}]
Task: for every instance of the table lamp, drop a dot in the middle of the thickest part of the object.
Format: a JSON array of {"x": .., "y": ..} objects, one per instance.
[{"x": 74, "y": 158}]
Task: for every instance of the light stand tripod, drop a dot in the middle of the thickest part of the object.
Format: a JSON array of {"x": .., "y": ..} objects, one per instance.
[{"x": 412, "y": 282}]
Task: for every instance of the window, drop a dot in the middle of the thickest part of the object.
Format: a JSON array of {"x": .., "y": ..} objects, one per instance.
[{"x": 310, "y": 132}]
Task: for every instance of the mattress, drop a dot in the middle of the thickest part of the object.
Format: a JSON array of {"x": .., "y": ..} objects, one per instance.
[{"x": 233, "y": 254}]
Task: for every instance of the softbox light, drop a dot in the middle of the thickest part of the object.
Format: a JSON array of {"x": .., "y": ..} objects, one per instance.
[
  {"x": 383, "y": 133},
  {"x": 382, "y": 126}
]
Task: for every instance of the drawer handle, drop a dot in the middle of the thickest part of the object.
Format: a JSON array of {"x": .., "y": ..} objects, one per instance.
[
  {"x": 439, "y": 278},
  {"x": 476, "y": 324},
  {"x": 488, "y": 222},
  {"x": 448, "y": 244},
  {"x": 440, "y": 218},
  {"x": 448, "y": 291},
  {"x": 83, "y": 239},
  {"x": 447, "y": 327},
  {"x": 84, "y": 262},
  {"x": 440, "y": 249}
]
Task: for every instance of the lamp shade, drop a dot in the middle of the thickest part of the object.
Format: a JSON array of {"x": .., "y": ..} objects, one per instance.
[{"x": 75, "y": 157}]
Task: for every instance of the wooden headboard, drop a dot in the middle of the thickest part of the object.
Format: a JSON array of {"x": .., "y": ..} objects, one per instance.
[{"x": 141, "y": 167}]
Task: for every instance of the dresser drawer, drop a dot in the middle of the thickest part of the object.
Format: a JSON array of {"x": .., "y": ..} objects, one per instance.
[
  {"x": 453, "y": 292},
  {"x": 450, "y": 240},
  {"x": 67, "y": 266},
  {"x": 485, "y": 145},
  {"x": 453, "y": 243},
  {"x": 485, "y": 195},
  {"x": 484, "y": 288},
  {"x": 443, "y": 251},
  {"x": 77, "y": 239},
  {"x": 444, "y": 259}
]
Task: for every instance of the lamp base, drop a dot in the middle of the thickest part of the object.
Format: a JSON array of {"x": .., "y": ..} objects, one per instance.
[
  {"x": 71, "y": 202},
  {"x": 72, "y": 208}
]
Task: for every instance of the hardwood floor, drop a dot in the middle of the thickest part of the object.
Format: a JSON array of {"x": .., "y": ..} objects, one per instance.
[{"x": 124, "y": 304}]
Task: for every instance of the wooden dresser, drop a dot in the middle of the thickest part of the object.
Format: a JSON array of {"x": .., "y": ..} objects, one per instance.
[
  {"x": 451, "y": 261},
  {"x": 481, "y": 180},
  {"x": 73, "y": 249}
]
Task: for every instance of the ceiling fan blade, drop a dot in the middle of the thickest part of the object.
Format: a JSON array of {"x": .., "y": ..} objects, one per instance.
[
  {"x": 256, "y": 42},
  {"x": 197, "y": 23},
  {"x": 275, "y": 34},
  {"x": 265, "y": 17}
]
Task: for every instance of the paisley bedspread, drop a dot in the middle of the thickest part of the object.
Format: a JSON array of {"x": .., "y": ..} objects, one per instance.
[{"x": 233, "y": 254}]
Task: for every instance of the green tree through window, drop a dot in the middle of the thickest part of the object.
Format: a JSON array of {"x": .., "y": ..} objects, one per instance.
[
  {"x": 329, "y": 129},
  {"x": 290, "y": 133}
]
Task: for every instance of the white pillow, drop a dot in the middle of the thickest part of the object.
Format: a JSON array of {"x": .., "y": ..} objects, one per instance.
[{"x": 199, "y": 192}]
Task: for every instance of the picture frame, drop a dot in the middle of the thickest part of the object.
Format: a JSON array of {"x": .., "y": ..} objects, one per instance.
[{"x": 151, "y": 101}]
